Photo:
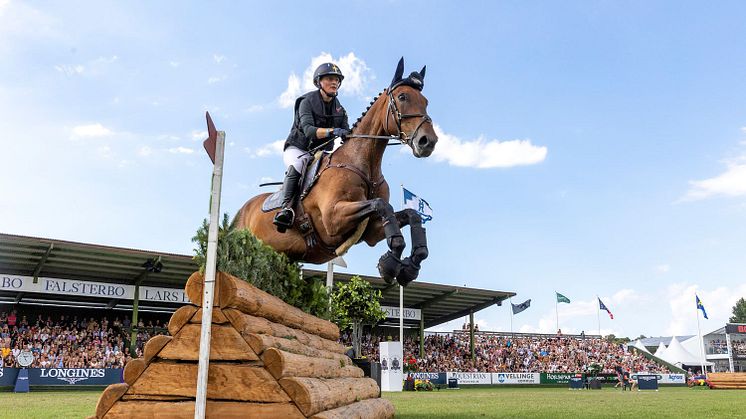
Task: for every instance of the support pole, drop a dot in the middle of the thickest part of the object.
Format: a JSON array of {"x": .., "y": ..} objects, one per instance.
[
  {"x": 133, "y": 325},
  {"x": 471, "y": 334},
  {"x": 598, "y": 315},
  {"x": 209, "y": 286},
  {"x": 401, "y": 316},
  {"x": 701, "y": 346},
  {"x": 422, "y": 333},
  {"x": 511, "y": 316},
  {"x": 729, "y": 347},
  {"x": 556, "y": 310}
]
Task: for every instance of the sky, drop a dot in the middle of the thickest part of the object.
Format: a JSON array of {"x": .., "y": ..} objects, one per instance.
[{"x": 591, "y": 148}]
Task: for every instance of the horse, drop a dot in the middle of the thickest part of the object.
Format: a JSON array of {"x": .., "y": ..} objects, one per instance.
[{"x": 349, "y": 202}]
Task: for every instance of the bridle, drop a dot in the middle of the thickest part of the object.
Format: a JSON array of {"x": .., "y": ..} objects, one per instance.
[{"x": 393, "y": 110}]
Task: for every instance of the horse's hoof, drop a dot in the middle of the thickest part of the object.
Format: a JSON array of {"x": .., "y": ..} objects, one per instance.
[
  {"x": 389, "y": 267},
  {"x": 408, "y": 273}
]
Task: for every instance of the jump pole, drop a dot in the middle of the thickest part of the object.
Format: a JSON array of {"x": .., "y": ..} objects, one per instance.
[{"x": 215, "y": 146}]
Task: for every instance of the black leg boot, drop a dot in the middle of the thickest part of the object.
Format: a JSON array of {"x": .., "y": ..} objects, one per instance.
[{"x": 284, "y": 219}]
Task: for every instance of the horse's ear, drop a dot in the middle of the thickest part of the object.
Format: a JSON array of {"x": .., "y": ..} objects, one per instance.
[
  {"x": 399, "y": 71},
  {"x": 422, "y": 72}
]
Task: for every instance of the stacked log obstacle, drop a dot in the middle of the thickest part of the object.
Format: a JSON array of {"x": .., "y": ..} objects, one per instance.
[
  {"x": 267, "y": 360},
  {"x": 727, "y": 380}
]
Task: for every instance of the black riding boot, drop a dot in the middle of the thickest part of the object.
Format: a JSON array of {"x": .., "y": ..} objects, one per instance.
[{"x": 284, "y": 219}]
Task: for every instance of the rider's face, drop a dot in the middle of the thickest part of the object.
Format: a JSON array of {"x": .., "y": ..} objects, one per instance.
[{"x": 329, "y": 84}]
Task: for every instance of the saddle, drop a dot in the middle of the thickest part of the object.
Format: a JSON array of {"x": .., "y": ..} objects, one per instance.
[{"x": 309, "y": 176}]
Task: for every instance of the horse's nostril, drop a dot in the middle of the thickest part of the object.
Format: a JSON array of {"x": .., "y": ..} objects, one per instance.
[{"x": 422, "y": 142}]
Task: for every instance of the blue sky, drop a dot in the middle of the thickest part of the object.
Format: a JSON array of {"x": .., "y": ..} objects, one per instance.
[{"x": 593, "y": 148}]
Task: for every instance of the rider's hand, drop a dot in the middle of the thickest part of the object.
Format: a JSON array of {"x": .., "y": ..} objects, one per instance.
[{"x": 340, "y": 132}]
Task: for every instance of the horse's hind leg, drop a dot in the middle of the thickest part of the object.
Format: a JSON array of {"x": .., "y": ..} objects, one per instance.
[{"x": 411, "y": 265}]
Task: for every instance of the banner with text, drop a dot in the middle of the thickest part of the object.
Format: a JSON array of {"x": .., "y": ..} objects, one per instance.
[
  {"x": 64, "y": 376},
  {"x": 434, "y": 377},
  {"x": 516, "y": 378},
  {"x": 20, "y": 283},
  {"x": 468, "y": 378},
  {"x": 409, "y": 313}
]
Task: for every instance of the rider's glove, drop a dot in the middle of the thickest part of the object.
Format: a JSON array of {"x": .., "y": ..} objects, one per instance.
[{"x": 340, "y": 132}]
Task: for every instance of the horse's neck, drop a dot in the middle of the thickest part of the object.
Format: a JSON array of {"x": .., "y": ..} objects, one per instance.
[{"x": 366, "y": 153}]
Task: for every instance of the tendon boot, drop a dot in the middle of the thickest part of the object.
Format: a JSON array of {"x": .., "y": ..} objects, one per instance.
[{"x": 286, "y": 216}]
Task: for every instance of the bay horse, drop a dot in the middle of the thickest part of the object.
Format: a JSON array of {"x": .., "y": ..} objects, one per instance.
[{"x": 350, "y": 200}]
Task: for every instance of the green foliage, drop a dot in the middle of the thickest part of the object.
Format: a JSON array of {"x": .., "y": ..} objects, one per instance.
[
  {"x": 242, "y": 255},
  {"x": 356, "y": 302},
  {"x": 739, "y": 312}
]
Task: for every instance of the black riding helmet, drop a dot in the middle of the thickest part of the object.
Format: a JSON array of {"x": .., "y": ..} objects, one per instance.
[{"x": 327, "y": 69}]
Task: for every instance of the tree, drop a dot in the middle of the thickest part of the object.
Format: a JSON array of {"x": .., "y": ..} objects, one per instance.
[
  {"x": 739, "y": 312},
  {"x": 244, "y": 256},
  {"x": 355, "y": 304}
]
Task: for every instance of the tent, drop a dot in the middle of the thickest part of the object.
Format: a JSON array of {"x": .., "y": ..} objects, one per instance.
[
  {"x": 639, "y": 346},
  {"x": 676, "y": 354},
  {"x": 661, "y": 350}
]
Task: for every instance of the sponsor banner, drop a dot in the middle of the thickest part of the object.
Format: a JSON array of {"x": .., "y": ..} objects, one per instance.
[
  {"x": 735, "y": 328},
  {"x": 20, "y": 283},
  {"x": 558, "y": 377},
  {"x": 409, "y": 313},
  {"x": 434, "y": 377},
  {"x": 392, "y": 361},
  {"x": 516, "y": 378},
  {"x": 468, "y": 378},
  {"x": 647, "y": 381},
  {"x": 661, "y": 378},
  {"x": 64, "y": 376}
]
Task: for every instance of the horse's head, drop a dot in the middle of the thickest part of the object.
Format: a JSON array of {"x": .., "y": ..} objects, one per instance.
[{"x": 407, "y": 112}]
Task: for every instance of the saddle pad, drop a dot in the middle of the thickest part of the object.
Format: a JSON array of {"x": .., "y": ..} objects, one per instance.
[{"x": 308, "y": 179}]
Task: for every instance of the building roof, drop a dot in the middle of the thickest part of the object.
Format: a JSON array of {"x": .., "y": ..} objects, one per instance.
[{"x": 44, "y": 257}]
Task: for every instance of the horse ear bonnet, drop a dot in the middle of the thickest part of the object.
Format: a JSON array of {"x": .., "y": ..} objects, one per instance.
[{"x": 415, "y": 79}]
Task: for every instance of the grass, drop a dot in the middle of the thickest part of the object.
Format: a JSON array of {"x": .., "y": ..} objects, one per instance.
[{"x": 471, "y": 402}]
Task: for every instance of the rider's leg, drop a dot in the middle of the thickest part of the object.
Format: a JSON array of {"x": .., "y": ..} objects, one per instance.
[
  {"x": 285, "y": 217},
  {"x": 295, "y": 159}
]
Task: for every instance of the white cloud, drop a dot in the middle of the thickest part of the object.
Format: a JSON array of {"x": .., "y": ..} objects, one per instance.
[
  {"x": 484, "y": 154},
  {"x": 3, "y": 5},
  {"x": 664, "y": 268},
  {"x": 90, "y": 131},
  {"x": 70, "y": 70},
  {"x": 356, "y": 82},
  {"x": 218, "y": 58},
  {"x": 199, "y": 135},
  {"x": 145, "y": 151},
  {"x": 273, "y": 148},
  {"x": 730, "y": 183},
  {"x": 174, "y": 64},
  {"x": 718, "y": 303},
  {"x": 181, "y": 150},
  {"x": 104, "y": 152},
  {"x": 215, "y": 79},
  {"x": 255, "y": 108}
]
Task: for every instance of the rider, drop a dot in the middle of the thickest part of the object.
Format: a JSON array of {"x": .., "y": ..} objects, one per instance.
[{"x": 319, "y": 118}]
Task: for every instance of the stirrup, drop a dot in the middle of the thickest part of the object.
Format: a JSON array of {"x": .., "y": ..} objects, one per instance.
[{"x": 281, "y": 221}]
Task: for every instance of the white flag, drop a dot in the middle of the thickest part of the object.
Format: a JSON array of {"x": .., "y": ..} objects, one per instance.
[{"x": 418, "y": 204}]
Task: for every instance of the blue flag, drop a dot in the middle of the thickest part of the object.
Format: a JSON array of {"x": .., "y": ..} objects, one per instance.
[
  {"x": 700, "y": 306},
  {"x": 517, "y": 308},
  {"x": 418, "y": 204}
]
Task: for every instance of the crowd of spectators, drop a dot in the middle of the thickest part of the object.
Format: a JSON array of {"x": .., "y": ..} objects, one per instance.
[
  {"x": 70, "y": 341},
  {"x": 717, "y": 346},
  {"x": 495, "y": 353}
]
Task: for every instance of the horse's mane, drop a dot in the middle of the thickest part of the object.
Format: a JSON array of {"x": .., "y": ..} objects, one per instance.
[{"x": 366, "y": 110}]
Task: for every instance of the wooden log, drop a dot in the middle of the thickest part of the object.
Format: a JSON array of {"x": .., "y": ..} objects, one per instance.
[
  {"x": 180, "y": 318},
  {"x": 226, "y": 345},
  {"x": 217, "y": 316},
  {"x": 193, "y": 289},
  {"x": 285, "y": 364},
  {"x": 246, "y": 324},
  {"x": 225, "y": 382},
  {"x": 214, "y": 409},
  {"x": 111, "y": 395},
  {"x": 364, "y": 409},
  {"x": 153, "y": 346},
  {"x": 153, "y": 398},
  {"x": 314, "y": 395},
  {"x": 260, "y": 343},
  {"x": 237, "y": 293},
  {"x": 133, "y": 369}
]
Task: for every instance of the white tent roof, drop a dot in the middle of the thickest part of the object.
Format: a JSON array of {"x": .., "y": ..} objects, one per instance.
[
  {"x": 639, "y": 346},
  {"x": 660, "y": 351},
  {"x": 677, "y": 355}
]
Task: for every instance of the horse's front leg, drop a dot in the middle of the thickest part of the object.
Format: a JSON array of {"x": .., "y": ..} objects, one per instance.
[
  {"x": 390, "y": 264},
  {"x": 411, "y": 265}
]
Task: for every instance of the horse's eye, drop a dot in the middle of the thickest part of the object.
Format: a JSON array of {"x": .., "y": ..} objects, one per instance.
[{"x": 402, "y": 97}]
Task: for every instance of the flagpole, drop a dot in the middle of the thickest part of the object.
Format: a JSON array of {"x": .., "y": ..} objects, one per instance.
[
  {"x": 511, "y": 316},
  {"x": 701, "y": 344},
  {"x": 556, "y": 310},
  {"x": 598, "y": 315},
  {"x": 401, "y": 292}
]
